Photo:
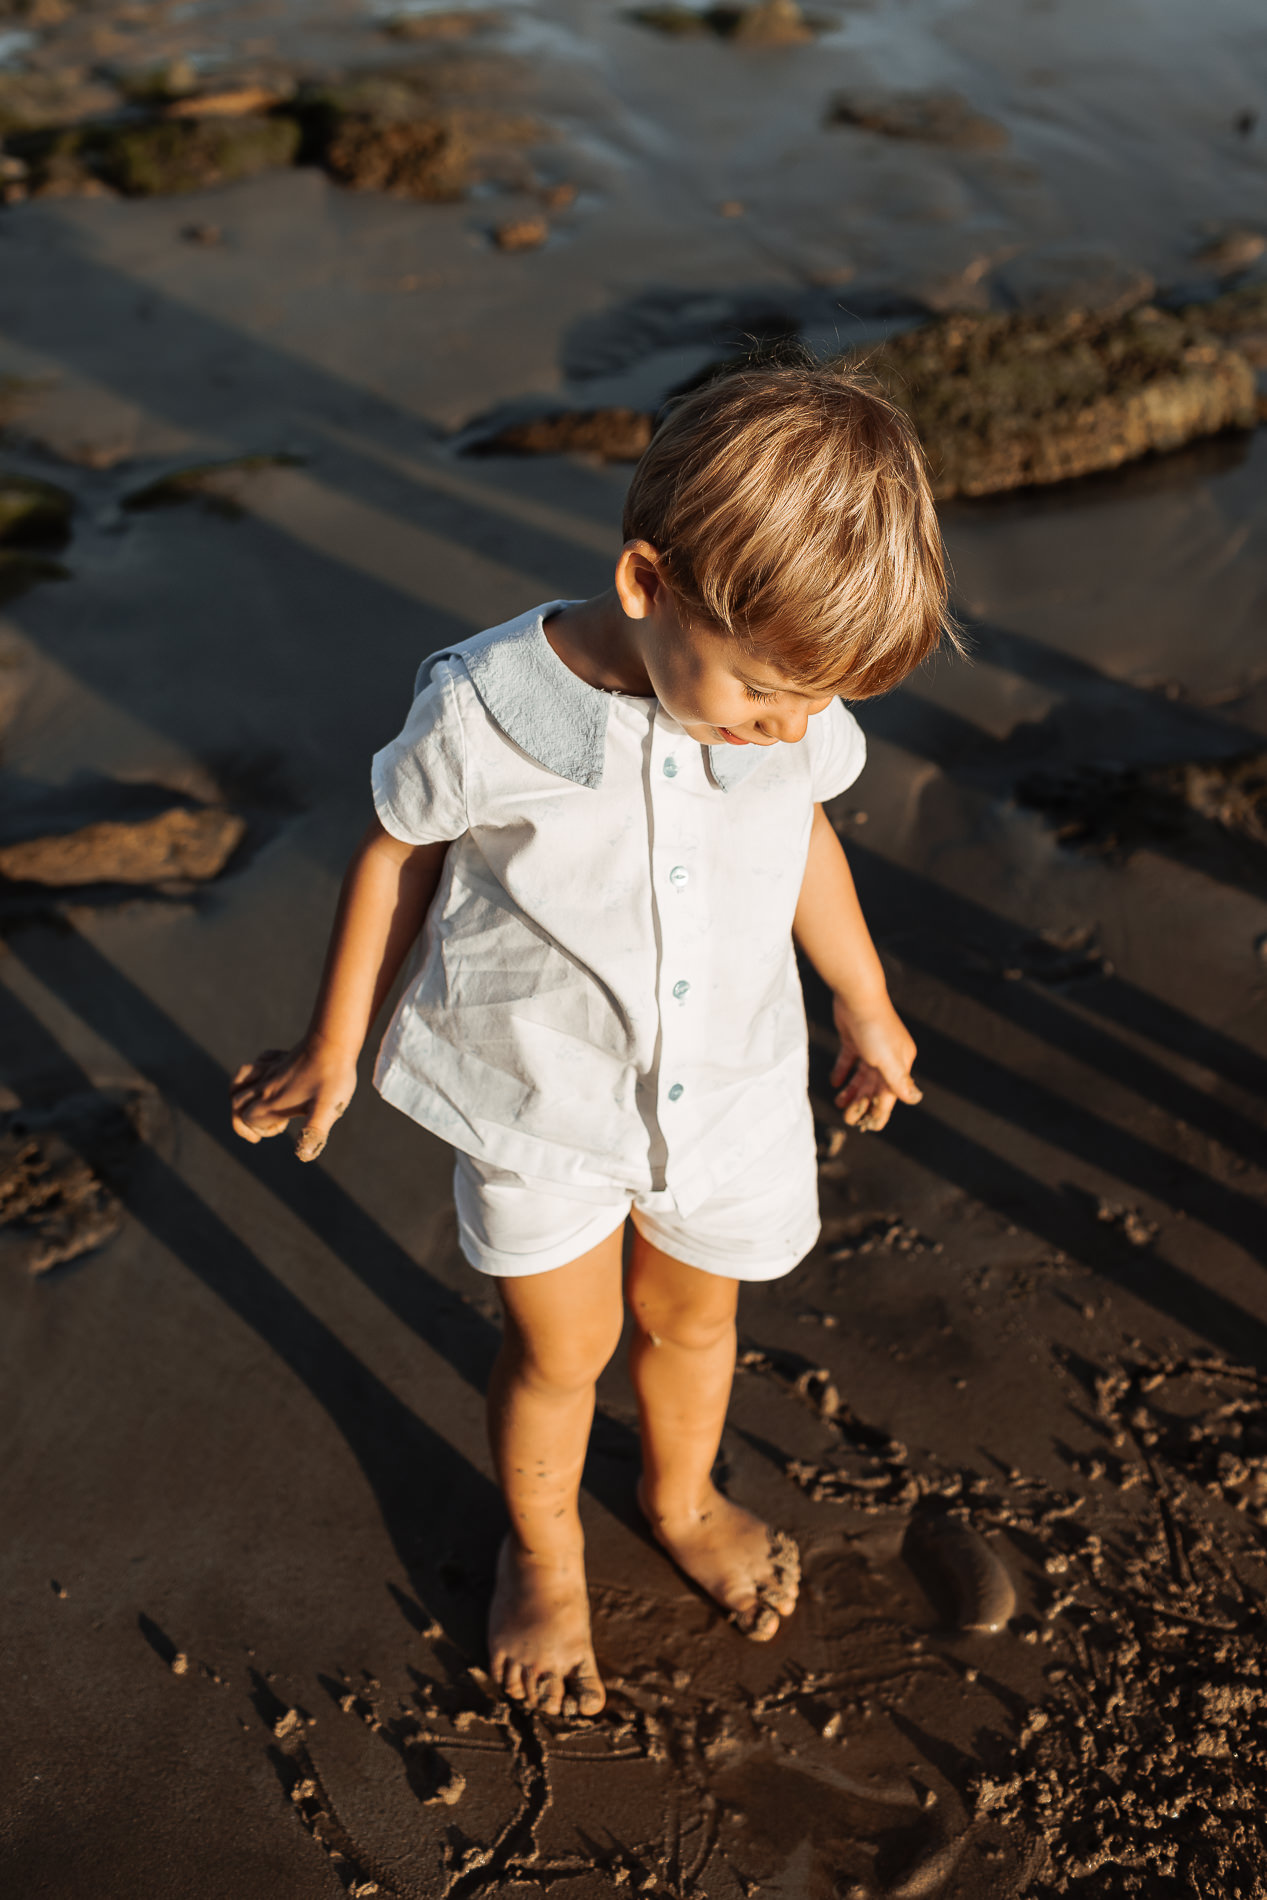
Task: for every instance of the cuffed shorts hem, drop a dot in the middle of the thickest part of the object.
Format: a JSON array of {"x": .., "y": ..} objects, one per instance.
[{"x": 755, "y": 1228}]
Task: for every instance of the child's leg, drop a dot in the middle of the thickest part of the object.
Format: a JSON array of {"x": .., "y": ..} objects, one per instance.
[
  {"x": 561, "y": 1329},
  {"x": 683, "y": 1361}
]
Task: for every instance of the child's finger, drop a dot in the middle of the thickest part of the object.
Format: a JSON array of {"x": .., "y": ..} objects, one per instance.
[
  {"x": 898, "y": 1077},
  {"x": 843, "y": 1068},
  {"x": 316, "y": 1130},
  {"x": 863, "y": 1081},
  {"x": 258, "y": 1123},
  {"x": 257, "y": 1070},
  {"x": 879, "y": 1109}
]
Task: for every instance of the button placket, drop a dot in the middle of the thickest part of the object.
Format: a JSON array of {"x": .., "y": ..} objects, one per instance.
[{"x": 674, "y": 869}]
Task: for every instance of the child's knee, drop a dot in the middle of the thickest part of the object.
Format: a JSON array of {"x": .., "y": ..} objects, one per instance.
[
  {"x": 692, "y": 1325},
  {"x": 564, "y": 1359}
]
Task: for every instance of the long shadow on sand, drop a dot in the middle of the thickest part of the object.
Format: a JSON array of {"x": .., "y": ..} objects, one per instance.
[{"x": 416, "y": 1476}]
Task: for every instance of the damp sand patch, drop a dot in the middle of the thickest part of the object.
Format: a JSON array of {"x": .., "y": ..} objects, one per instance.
[
  {"x": 1111, "y": 811},
  {"x": 1147, "y": 1763},
  {"x": 1137, "y": 1756}
]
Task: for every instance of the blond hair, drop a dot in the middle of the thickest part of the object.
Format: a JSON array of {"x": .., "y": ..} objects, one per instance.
[{"x": 790, "y": 508}]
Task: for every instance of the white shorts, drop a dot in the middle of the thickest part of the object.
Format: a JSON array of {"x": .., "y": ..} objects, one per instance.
[{"x": 756, "y": 1227}]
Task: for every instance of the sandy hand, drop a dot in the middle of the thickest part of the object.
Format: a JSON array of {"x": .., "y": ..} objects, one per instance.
[
  {"x": 310, "y": 1083},
  {"x": 873, "y": 1070}
]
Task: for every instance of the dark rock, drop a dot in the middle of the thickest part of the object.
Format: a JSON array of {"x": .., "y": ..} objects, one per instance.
[
  {"x": 175, "y": 844},
  {"x": 617, "y": 435},
  {"x": 930, "y": 118},
  {"x": 766, "y": 23},
  {"x": 219, "y": 486},
  {"x": 33, "y": 514},
  {"x": 419, "y": 158}
]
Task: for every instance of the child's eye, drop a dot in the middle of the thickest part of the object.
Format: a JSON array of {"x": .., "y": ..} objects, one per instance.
[{"x": 762, "y": 699}]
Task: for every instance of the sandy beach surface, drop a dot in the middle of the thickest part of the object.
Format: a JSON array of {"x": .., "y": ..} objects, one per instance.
[{"x": 247, "y": 1514}]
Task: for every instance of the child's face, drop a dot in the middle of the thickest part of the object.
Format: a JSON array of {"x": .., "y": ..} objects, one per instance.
[{"x": 721, "y": 693}]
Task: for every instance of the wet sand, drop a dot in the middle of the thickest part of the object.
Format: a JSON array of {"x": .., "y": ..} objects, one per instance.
[{"x": 249, "y": 1522}]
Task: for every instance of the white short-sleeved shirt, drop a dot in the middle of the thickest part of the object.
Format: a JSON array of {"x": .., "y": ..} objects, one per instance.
[{"x": 606, "y": 990}]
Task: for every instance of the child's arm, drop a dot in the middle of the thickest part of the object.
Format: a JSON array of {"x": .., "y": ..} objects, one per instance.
[
  {"x": 382, "y": 907},
  {"x": 876, "y": 1049}
]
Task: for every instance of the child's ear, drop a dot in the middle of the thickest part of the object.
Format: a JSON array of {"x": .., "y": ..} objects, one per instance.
[{"x": 640, "y": 585}]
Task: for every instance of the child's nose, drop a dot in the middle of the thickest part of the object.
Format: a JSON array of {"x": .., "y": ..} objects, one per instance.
[{"x": 788, "y": 725}]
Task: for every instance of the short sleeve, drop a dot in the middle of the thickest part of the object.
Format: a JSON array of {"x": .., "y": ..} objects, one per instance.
[
  {"x": 419, "y": 780},
  {"x": 838, "y": 751}
]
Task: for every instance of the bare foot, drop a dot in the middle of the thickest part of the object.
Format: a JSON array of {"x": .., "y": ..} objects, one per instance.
[
  {"x": 751, "y": 1570},
  {"x": 539, "y": 1646}
]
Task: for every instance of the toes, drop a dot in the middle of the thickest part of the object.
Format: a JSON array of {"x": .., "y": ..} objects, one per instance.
[
  {"x": 513, "y": 1683},
  {"x": 547, "y": 1693},
  {"x": 759, "y": 1623},
  {"x": 588, "y": 1694}
]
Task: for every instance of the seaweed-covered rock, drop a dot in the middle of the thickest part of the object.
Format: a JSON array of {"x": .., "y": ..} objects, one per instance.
[
  {"x": 1239, "y": 317},
  {"x": 176, "y": 155},
  {"x": 156, "y": 157},
  {"x": 1010, "y": 401},
  {"x": 218, "y": 486},
  {"x": 33, "y": 514}
]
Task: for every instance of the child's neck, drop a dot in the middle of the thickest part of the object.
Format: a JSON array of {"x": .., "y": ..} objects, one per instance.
[{"x": 598, "y": 642}]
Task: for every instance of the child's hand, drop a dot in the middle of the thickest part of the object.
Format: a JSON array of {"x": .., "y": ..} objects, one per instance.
[
  {"x": 873, "y": 1069},
  {"x": 310, "y": 1082}
]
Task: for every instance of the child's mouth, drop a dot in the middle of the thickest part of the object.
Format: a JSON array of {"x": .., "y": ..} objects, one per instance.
[{"x": 730, "y": 737}]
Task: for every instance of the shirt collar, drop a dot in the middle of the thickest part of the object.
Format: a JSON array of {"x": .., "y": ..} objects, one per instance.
[{"x": 545, "y": 708}]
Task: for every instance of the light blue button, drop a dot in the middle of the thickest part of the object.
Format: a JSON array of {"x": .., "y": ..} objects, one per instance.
[
  {"x": 670, "y": 768},
  {"x": 680, "y": 989},
  {"x": 679, "y": 877},
  {"x": 675, "y": 1093}
]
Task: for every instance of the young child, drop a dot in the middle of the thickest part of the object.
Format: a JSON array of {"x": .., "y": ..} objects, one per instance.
[{"x": 597, "y": 837}]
